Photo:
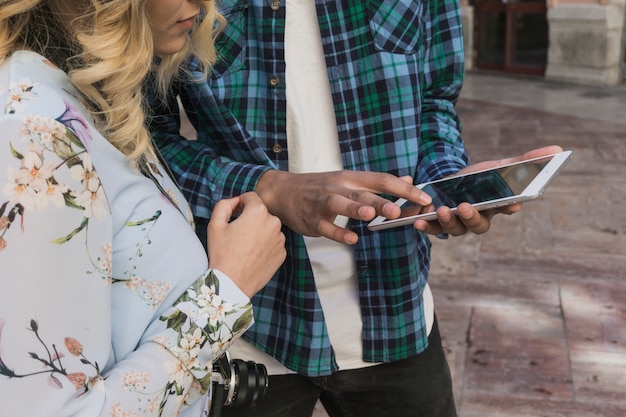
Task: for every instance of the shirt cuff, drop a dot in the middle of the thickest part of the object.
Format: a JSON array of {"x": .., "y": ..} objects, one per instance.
[{"x": 229, "y": 290}]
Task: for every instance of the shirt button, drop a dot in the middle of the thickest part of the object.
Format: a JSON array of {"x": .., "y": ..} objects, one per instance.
[
  {"x": 275, "y": 5},
  {"x": 277, "y": 148},
  {"x": 274, "y": 81}
]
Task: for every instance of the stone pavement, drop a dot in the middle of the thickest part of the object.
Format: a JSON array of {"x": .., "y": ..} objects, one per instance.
[{"x": 533, "y": 313}]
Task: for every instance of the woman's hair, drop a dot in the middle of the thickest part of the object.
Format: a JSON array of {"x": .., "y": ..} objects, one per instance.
[{"x": 108, "y": 56}]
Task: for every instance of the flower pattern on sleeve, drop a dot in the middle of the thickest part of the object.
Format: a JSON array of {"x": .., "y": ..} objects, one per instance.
[
  {"x": 44, "y": 146},
  {"x": 200, "y": 317},
  {"x": 46, "y": 169}
]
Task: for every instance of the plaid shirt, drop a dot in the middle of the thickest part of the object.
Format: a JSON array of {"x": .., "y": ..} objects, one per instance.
[{"x": 395, "y": 69}]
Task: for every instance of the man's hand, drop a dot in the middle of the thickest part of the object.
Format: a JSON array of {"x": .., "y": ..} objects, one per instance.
[
  {"x": 467, "y": 218},
  {"x": 309, "y": 203}
]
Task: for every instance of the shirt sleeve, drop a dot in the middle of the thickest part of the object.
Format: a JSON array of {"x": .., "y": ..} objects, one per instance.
[
  {"x": 175, "y": 357},
  {"x": 441, "y": 146},
  {"x": 56, "y": 355},
  {"x": 222, "y": 162}
]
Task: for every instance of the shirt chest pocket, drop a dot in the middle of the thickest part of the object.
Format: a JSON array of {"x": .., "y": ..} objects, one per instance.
[{"x": 396, "y": 25}]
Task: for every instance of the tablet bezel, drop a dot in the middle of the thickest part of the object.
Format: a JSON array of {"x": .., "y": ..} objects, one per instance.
[{"x": 533, "y": 191}]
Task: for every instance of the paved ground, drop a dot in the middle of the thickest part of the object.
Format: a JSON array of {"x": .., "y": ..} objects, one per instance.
[{"x": 533, "y": 313}]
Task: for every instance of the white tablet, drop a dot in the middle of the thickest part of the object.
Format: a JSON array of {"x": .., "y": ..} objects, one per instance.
[{"x": 494, "y": 187}]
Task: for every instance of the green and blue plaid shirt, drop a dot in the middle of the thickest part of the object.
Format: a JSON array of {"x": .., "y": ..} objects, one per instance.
[{"x": 395, "y": 69}]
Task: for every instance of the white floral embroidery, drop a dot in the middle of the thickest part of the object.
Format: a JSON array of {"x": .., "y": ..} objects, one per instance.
[
  {"x": 105, "y": 264},
  {"x": 135, "y": 381},
  {"x": 218, "y": 310},
  {"x": 92, "y": 198},
  {"x": 117, "y": 411},
  {"x": 33, "y": 185},
  {"x": 153, "y": 293},
  {"x": 42, "y": 130},
  {"x": 18, "y": 95}
]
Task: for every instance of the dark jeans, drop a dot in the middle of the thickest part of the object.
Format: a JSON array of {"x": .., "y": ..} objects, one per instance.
[{"x": 420, "y": 386}]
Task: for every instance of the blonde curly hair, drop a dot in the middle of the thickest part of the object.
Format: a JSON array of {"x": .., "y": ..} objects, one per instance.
[{"x": 108, "y": 56}]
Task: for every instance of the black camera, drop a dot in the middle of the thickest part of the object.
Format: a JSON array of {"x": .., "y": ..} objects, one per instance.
[{"x": 236, "y": 383}]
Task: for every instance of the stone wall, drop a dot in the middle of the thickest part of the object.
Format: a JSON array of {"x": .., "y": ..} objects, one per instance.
[
  {"x": 587, "y": 39},
  {"x": 467, "y": 19},
  {"x": 586, "y": 42}
]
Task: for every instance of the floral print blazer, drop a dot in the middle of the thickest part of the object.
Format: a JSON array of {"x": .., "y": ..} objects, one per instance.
[{"x": 107, "y": 305}]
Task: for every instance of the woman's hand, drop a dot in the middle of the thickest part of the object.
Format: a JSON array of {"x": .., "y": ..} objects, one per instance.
[{"x": 250, "y": 248}]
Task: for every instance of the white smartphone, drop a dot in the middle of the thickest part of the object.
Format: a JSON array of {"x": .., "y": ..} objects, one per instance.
[{"x": 494, "y": 187}]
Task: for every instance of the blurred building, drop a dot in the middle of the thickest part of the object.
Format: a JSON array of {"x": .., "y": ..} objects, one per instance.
[{"x": 580, "y": 41}]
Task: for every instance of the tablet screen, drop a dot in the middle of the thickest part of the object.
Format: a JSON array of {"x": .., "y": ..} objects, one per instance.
[
  {"x": 478, "y": 187},
  {"x": 504, "y": 185}
]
